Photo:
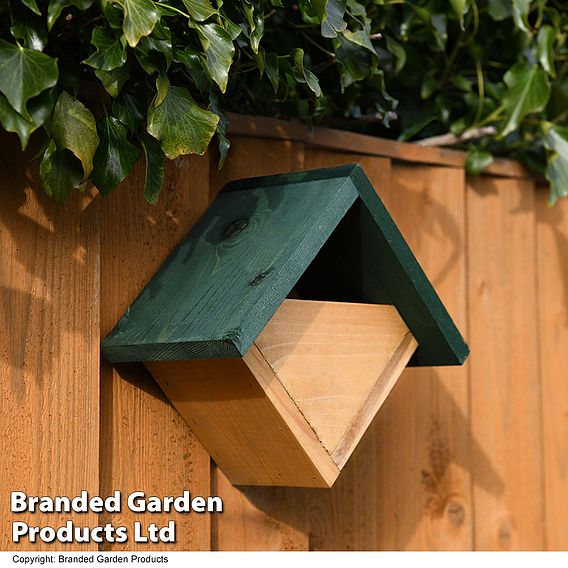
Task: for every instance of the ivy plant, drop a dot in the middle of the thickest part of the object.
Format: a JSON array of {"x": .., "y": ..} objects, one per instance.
[{"x": 108, "y": 82}]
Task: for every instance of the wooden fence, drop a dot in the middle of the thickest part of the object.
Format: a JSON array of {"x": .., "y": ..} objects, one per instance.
[{"x": 458, "y": 458}]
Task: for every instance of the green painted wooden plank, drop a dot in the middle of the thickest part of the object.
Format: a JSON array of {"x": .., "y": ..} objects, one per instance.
[
  {"x": 218, "y": 290},
  {"x": 439, "y": 340},
  {"x": 324, "y": 231}
]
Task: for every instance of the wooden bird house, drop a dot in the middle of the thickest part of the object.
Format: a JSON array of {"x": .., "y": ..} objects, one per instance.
[{"x": 280, "y": 325}]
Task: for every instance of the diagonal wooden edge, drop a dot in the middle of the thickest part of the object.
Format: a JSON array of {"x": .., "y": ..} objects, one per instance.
[
  {"x": 291, "y": 411},
  {"x": 337, "y": 362},
  {"x": 387, "y": 380}
]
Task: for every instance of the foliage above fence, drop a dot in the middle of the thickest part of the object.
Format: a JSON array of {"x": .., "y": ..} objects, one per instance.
[{"x": 114, "y": 80}]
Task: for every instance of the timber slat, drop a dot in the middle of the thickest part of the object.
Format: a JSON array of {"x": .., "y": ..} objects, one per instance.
[
  {"x": 407, "y": 485},
  {"x": 258, "y": 518},
  {"x": 552, "y": 282},
  {"x": 506, "y": 401},
  {"x": 343, "y": 141},
  {"x": 145, "y": 444},
  {"x": 49, "y": 357}
]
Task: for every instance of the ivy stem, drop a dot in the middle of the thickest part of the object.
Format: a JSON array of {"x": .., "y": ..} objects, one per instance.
[
  {"x": 480, "y": 91},
  {"x": 493, "y": 116},
  {"x": 174, "y": 9},
  {"x": 316, "y": 44}
]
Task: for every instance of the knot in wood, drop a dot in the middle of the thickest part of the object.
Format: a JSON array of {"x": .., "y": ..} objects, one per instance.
[
  {"x": 235, "y": 228},
  {"x": 258, "y": 278},
  {"x": 456, "y": 513}
]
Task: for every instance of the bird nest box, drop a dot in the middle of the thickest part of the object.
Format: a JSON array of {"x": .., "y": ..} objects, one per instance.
[{"x": 282, "y": 322}]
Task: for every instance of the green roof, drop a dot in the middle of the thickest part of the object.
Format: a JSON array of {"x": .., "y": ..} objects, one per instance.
[{"x": 323, "y": 232}]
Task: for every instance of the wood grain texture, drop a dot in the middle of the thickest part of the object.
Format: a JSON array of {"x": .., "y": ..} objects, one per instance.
[
  {"x": 217, "y": 291},
  {"x": 338, "y": 362},
  {"x": 246, "y": 420},
  {"x": 505, "y": 382},
  {"x": 407, "y": 485},
  {"x": 145, "y": 444},
  {"x": 291, "y": 411},
  {"x": 261, "y": 518},
  {"x": 49, "y": 354},
  {"x": 325, "y": 231},
  {"x": 552, "y": 283},
  {"x": 341, "y": 141}
]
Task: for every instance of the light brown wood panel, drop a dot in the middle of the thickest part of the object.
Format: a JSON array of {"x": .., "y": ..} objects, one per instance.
[
  {"x": 343, "y": 141},
  {"x": 378, "y": 170},
  {"x": 338, "y": 362},
  {"x": 291, "y": 410},
  {"x": 258, "y": 518},
  {"x": 552, "y": 273},
  {"x": 49, "y": 346},
  {"x": 145, "y": 444},
  {"x": 407, "y": 485},
  {"x": 505, "y": 384}
]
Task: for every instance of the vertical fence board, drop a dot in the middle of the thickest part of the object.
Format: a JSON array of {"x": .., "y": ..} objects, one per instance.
[
  {"x": 344, "y": 517},
  {"x": 428, "y": 461},
  {"x": 145, "y": 444},
  {"x": 552, "y": 242},
  {"x": 258, "y": 518},
  {"x": 378, "y": 170},
  {"x": 505, "y": 388},
  {"x": 49, "y": 355},
  {"x": 407, "y": 485}
]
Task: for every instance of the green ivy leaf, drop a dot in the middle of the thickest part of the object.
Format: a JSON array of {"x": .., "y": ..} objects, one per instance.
[
  {"x": 500, "y": 9},
  {"x": 234, "y": 30},
  {"x": 154, "y": 168},
  {"x": 528, "y": 91},
  {"x": 361, "y": 39},
  {"x": 520, "y": 9},
  {"x": 24, "y": 73},
  {"x": 60, "y": 172},
  {"x": 219, "y": 51},
  {"x": 191, "y": 60},
  {"x": 155, "y": 52},
  {"x": 221, "y": 131},
  {"x": 73, "y": 128},
  {"x": 255, "y": 21},
  {"x": 39, "y": 109},
  {"x": 331, "y": 14},
  {"x": 271, "y": 68},
  {"x": 32, "y": 5},
  {"x": 199, "y": 10},
  {"x": 477, "y": 160},
  {"x": 57, "y": 6},
  {"x": 459, "y": 7},
  {"x": 114, "y": 80},
  {"x": 352, "y": 61},
  {"x": 302, "y": 74},
  {"x": 162, "y": 86},
  {"x": 115, "y": 155},
  {"x": 399, "y": 53},
  {"x": 545, "y": 48},
  {"x": 257, "y": 32},
  {"x": 110, "y": 51},
  {"x": 556, "y": 142},
  {"x": 181, "y": 126},
  {"x": 130, "y": 109},
  {"x": 31, "y": 31},
  {"x": 140, "y": 17}
]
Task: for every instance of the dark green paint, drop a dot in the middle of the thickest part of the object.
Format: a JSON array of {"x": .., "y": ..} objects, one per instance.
[{"x": 324, "y": 231}]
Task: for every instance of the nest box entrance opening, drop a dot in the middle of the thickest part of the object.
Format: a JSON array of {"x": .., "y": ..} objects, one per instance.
[{"x": 281, "y": 324}]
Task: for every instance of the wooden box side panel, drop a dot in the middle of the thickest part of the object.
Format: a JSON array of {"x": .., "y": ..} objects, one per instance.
[
  {"x": 338, "y": 362},
  {"x": 238, "y": 423}
]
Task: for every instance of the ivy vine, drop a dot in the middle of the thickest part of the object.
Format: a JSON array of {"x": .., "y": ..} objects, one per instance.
[{"x": 108, "y": 82}]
